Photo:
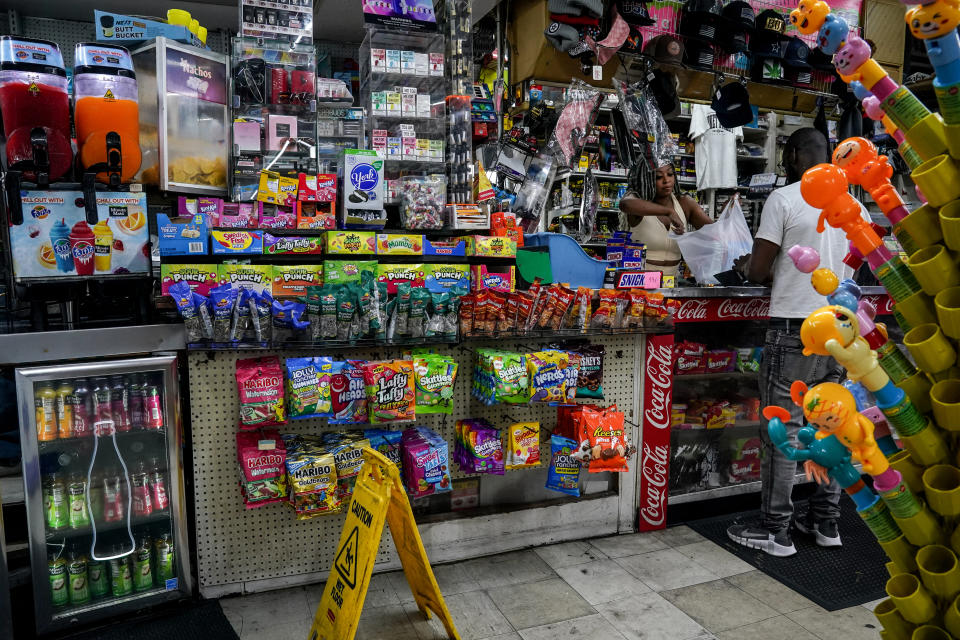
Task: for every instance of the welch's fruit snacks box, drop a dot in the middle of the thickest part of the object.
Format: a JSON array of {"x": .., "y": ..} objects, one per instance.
[{"x": 363, "y": 190}]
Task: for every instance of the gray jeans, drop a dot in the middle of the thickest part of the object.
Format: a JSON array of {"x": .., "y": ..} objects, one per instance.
[{"x": 782, "y": 363}]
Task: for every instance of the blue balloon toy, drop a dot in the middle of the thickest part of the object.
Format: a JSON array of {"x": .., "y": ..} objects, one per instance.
[{"x": 832, "y": 34}]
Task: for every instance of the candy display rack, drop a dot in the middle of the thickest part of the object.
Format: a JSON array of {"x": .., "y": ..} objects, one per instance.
[{"x": 273, "y": 104}]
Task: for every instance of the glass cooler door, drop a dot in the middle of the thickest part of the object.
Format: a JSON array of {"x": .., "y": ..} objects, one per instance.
[{"x": 103, "y": 475}]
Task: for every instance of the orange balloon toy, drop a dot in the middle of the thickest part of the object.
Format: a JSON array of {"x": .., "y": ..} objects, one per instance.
[
  {"x": 862, "y": 165},
  {"x": 824, "y": 186}
]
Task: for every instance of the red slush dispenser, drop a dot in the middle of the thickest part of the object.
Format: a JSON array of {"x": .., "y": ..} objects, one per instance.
[
  {"x": 105, "y": 102},
  {"x": 35, "y": 107}
]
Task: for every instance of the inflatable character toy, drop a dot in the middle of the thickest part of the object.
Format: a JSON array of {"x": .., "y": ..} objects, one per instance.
[{"x": 809, "y": 16}]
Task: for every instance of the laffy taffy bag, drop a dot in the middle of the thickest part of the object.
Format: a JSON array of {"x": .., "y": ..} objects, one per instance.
[
  {"x": 390, "y": 391},
  {"x": 260, "y": 383}
]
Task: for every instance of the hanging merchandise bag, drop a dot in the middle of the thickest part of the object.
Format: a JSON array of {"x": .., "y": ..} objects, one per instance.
[{"x": 713, "y": 247}]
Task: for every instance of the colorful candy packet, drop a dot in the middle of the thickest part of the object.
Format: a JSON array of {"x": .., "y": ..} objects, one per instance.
[
  {"x": 240, "y": 328},
  {"x": 387, "y": 443},
  {"x": 260, "y": 315},
  {"x": 312, "y": 478},
  {"x": 478, "y": 447},
  {"x": 348, "y": 398},
  {"x": 183, "y": 298},
  {"x": 263, "y": 477},
  {"x": 223, "y": 300},
  {"x": 260, "y": 383},
  {"x": 390, "y": 391},
  {"x": 417, "y": 320},
  {"x": 590, "y": 378},
  {"x": 434, "y": 377},
  {"x": 347, "y": 450},
  {"x": 308, "y": 387},
  {"x": 564, "y": 472},
  {"x": 346, "y": 311},
  {"x": 523, "y": 445},
  {"x": 547, "y": 372},
  {"x": 426, "y": 462},
  {"x": 603, "y": 439}
]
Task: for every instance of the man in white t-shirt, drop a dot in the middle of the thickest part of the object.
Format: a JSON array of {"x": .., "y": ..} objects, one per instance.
[
  {"x": 716, "y": 149},
  {"x": 788, "y": 221}
]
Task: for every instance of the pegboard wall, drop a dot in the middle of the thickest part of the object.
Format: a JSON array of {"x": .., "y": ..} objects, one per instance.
[{"x": 237, "y": 545}]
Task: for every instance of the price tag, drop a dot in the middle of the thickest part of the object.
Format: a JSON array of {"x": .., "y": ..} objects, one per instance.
[
  {"x": 597, "y": 72},
  {"x": 266, "y": 445}
]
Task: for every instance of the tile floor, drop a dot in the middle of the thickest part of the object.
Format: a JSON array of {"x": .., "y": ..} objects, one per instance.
[{"x": 667, "y": 585}]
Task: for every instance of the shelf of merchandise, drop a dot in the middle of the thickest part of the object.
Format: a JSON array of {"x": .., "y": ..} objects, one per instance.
[
  {"x": 691, "y": 377},
  {"x": 11, "y": 489},
  {"x": 723, "y": 492}
]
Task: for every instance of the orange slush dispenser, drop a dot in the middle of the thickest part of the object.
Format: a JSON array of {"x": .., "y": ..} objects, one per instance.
[{"x": 105, "y": 100}]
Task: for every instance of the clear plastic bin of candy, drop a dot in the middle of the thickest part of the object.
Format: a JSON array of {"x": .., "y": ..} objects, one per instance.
[{"x": 422, "y": 201}]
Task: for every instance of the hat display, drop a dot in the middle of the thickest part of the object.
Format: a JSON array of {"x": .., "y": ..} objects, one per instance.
[
  {"x": 665, "y": 48},
  {"x": 732, "y": 105},
  {"x": 796, "y": 54},
  {"x": 734, "y": 39},
  {"x": 739, "y": 13},
  {"x": 664, "y": 87},
  {"x": 699, "y": 54},
  {"x": 766, "y": 45},
  {"x": 771, "y": 20},
  {"x": 635, "y": 12},
  {"x": 562, "y": 36},
  {"x": 701, "y": 19},
  {"x": 799, "y": 77}
]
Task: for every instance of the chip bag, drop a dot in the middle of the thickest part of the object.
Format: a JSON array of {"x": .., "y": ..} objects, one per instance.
[
  {"x": 308, "y": 387},
  {"x": 390, "y": 391},
  {"x": 523, "y": 445},
  {"x": 434, "y": 376},
  {"x": 564, "y": 472},
  {"x": 263, "y": 477},
  {"x": 260, "y": 383}
]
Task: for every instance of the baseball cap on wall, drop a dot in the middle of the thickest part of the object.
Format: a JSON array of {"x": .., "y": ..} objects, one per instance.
[
  {"x": 739, "y": 13},
  {"x": 796, "y": 53},
  {"x": 701, "y": 19},
  {"x": 635, "y": 12},
  {"x": 699, "y": 54},
  {"x": 772, "y": 21},
  {"x": 732, "y": 105},
  {"x": 665, "y": 48}
]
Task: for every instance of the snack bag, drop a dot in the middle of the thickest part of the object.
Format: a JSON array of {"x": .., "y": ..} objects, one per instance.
[
  {"x": 308, "y": 387},
  {"x": 479, "y": 447},
  {"x": 523, "y": 445},
  {"x": 260, "y": 383},
  {"x": 548, "y": 377},
  {"x": 606, "y": 313},
  {"x": 603, "y": 440},
  {"x": 590, "y": 378},
  {"x": 580, "y": 314},
  {"x": 434, "y": 376},
  {"x": 564, "y": 472},
  {"x": 263, "y": 477},
  {"x": 312, "y": 476},
  {"x": 638, "y": 303},
  {"x": 390, "y": 390},
  {"x": 386, "y": 442},
  {"x": 348, "y": 456},
  {"x": 348, "y": 397},
  {"x": 426, "y": 461},
  {"x": 510, "y": 379}
]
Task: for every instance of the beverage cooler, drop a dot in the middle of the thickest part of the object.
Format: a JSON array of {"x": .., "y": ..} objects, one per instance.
[{"x": 104, "y": 488}]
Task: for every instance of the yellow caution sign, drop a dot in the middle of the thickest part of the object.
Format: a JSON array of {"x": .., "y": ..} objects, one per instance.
[{"x": 378, "y": 496}]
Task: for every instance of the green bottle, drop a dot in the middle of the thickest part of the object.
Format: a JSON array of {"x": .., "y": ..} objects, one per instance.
[
  {"x": 77, "y": 499},
  {"x": 57, "y": 567},
  {"x": 56, "y": 503},
  {"x": 98, "y": 578},
  {"x": 164, "y": 564},
  {"x": 121, "y": 578},
  {"x": 142, "y": 571},
  {"x": 77, "y": 572}
]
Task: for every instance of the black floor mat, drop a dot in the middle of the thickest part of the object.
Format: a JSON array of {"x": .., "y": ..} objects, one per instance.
[
  {"x": 203, "y": 620},
  {"x": 833, "y": 578}
]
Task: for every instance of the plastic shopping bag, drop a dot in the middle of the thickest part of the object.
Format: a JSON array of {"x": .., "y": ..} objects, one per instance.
[{"x": 712, "y": 248}]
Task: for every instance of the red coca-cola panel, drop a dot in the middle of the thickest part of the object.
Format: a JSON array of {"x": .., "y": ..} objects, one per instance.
[
  {"x": 753, "y": 308},
  {"x": 655, "y": 432}
]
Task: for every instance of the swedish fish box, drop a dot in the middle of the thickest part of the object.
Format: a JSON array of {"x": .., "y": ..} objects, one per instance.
[{"x": 236, "y": 242}]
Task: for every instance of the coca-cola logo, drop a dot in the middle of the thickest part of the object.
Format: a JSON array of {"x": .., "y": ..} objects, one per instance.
[
  {"x": 693, "y": 309},
  {"x": 749, "y": 308},
  {"x": 659, "y": 378},
  {"x": 653, "y": 467}
]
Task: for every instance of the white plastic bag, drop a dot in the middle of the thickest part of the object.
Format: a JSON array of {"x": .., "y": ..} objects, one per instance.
[{"x": 713, "y": 247}]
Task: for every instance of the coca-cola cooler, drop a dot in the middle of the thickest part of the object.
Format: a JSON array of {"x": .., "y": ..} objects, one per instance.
[{"x": 103, "y": 478}]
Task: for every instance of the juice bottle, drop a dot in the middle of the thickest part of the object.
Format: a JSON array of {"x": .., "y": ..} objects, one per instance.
[
  {"x": 121, "y": 573},
  {"x": 105, "y": 101},
  {"x": 142, "y": 569},
  {"x": 77, "y": 501},
  {"x": 164, "y": 565},
  {"x": 78, "y": 582},
  {"x": 137, "y": 418},
  {"x": 56, "y": 503},
  {"x": 80, "y": 404},
  {"x": 114, "y": 500},
  {"x": 101, "y": 403},
  {"x": 96, "y": 496},
  {"x": 152, "y": 407},
  {"x": 64, "y": 409},
  {"x": 45, "y": 404},
  {"x": 158, "y": 486},
  {"x": 57, "y": 569},
  {"x": 142, "y": 504},
  {"x": 98, "y": 577},
  {"x": 103, "y": 241},
  {"x": 34, "y": 99},
  {"x": 120, "y": 403}
]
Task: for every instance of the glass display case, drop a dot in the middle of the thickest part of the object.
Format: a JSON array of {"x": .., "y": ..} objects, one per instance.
[
  {"x": 104, "y": 488},
  {"x": 273, "y": 96},
  {"x": 184, "y": 133}
]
